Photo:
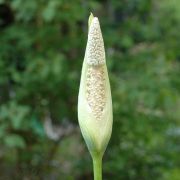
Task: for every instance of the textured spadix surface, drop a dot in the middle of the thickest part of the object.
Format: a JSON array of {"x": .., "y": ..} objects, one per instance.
[
  {"x": 94, "y": 101},
  {"x": 95, "y": 46}
]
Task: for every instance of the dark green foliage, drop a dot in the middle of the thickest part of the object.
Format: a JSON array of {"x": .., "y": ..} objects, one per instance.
[{"x": 42, "y": 45}]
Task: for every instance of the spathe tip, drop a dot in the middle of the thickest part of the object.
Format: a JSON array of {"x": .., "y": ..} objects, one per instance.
[{"x": 91, "y": 16}]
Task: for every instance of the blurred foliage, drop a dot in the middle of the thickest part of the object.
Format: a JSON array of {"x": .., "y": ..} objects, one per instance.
[{"x": 41, "y": 53}]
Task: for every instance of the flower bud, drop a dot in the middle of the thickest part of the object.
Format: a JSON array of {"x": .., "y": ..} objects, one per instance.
[{"x": 94, "y": 101}]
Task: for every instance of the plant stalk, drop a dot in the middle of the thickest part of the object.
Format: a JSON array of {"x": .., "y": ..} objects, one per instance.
[{"x": 97, "y": 167}]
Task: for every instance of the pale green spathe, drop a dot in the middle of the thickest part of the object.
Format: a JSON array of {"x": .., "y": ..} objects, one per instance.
[{"x": 95, "y": 122}]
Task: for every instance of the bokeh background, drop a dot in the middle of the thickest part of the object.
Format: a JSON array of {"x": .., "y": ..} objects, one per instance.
[{"x": 42, "y": 45}]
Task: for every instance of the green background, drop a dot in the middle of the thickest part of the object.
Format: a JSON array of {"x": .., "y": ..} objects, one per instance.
[{"x": 42, "y": 45}]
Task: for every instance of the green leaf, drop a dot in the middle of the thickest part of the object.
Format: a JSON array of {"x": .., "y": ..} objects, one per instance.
[
  {"x": 50, "y": 11},
  {"x": 37, "y": 126},
  {"x": 15, "y": 141}
]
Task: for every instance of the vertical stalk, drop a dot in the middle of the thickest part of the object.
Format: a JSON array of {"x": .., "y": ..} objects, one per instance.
[{"x": 97, "y": 167}]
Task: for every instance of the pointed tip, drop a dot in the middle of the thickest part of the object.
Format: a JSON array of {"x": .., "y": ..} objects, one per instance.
[{"x": 90, "y": 19}]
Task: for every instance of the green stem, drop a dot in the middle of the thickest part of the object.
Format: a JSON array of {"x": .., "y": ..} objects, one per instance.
[{"x": 97, "y": 167}]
